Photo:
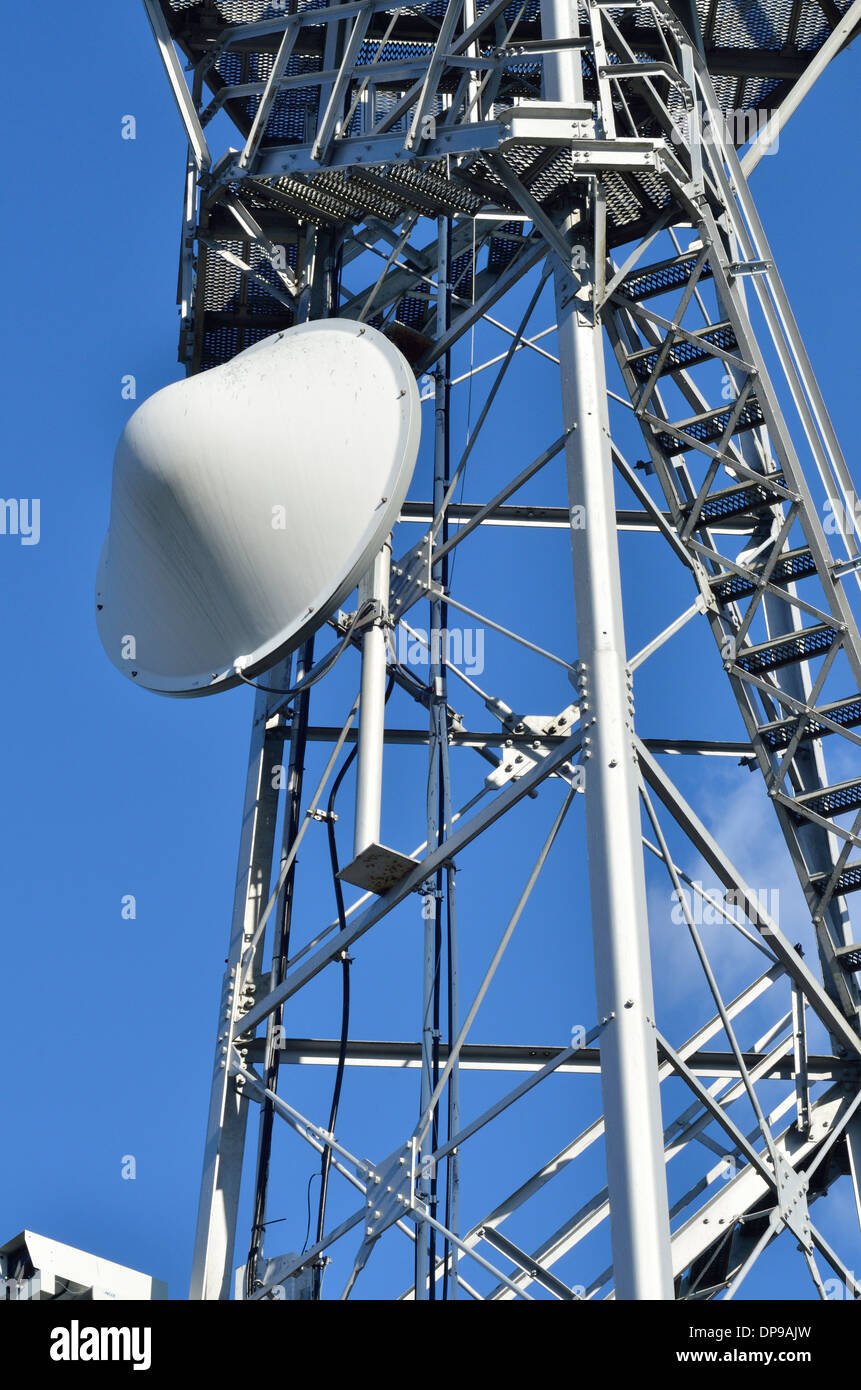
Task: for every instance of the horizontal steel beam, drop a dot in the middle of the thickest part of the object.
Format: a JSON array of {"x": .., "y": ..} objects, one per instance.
[
  {"x": 356, "y": 151},
  {"x": 465, "y": 738},
  {"x": 528, "y": 1058},
  {"x": 630, "y": 519}
]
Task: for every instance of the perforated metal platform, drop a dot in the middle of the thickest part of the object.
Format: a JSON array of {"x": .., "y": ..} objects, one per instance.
[{"x": 755, "y": 49}]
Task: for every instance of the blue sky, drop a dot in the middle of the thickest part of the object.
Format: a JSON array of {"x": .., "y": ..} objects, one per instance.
[{"x": 108, "y": 791}]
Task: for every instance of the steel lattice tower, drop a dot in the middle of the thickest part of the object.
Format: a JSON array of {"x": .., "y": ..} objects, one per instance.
[{"x": 434, "y": 169}]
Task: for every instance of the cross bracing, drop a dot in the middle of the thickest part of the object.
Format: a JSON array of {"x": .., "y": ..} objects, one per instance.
[{"x": 436, "y": 171}]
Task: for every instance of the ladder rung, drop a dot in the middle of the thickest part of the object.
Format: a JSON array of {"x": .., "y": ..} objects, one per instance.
[
  {"x": 684, "y": 353},
  {"x": 848, "y": 882},
  {"x": 832, "y": 801},
  {"x": 850, "y": 957},
  {"x": 778, "y": 733},
  {"x": 792, "y": 646},
  {"x": 661, "y": 277},
  {"x": 795, "y": 564},
  {"x": 706, "y": 428},
  {"x": 738, "y": 500}
]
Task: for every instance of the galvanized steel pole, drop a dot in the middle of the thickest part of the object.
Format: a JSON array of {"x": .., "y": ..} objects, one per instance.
[{"x": 636, "y": 1179}]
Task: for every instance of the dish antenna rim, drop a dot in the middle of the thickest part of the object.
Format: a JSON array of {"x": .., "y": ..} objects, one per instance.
[{"x": 328, "y": 599}]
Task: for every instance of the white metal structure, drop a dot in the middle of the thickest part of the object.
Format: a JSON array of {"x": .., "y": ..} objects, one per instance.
[{"x": 435, "y": 171}]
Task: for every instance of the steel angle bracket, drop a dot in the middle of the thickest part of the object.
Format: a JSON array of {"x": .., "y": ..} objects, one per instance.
[
  {"x": 557, "y": 122},
  {"x": 347, "y": 621},
  {"x": 516, "y": 761},
  {"x": 579, "y": 115},
  {"x": 548, "y": 124},
  {"x": 737, "y": 268},
  {"x": 590, "y": 156},
  {"x": 622, "y": 156}
]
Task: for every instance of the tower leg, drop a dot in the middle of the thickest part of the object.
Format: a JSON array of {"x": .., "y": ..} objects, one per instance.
[
  {"x": 636, "y": 1175},
  {"x": 228, "y": 1113},
  {"x": 636, "y": 1178}
]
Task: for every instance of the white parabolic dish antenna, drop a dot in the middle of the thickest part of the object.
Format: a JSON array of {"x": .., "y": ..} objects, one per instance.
[{"x": 248, "y": 501}]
